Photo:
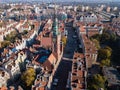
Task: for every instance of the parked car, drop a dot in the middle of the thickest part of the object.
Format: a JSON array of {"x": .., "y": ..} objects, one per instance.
[
  {"x": 55, "y": 80},
  {"x": 74, "y": 36},
  {"x": 55, "y": 84}
]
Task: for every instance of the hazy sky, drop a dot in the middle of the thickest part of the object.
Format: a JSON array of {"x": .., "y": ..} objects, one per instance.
[{"x": 64, "y": 0}]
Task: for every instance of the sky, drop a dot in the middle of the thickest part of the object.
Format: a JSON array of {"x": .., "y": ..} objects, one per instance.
[{"x": 64, "y": 0}]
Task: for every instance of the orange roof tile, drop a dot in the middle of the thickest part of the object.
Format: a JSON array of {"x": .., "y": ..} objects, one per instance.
[
  {"x": 41, "y": 88},
  {"x": 46, "y": 41},
  {"x": 51, "y": 58}
]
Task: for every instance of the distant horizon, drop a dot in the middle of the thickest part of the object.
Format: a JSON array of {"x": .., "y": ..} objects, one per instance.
[{"x": 99, "y": 1}]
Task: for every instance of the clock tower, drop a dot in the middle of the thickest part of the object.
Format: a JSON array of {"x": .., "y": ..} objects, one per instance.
[{"x": 56, "y": 36}]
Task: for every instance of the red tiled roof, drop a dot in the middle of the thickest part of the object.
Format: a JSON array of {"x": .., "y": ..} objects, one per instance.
[
  {"x": 41, "y": 88},
  {"x": 3, "y": 88},
  {"x": 48, "y": 65},
  {"x": 46, "y": 41},
  {"x": 82, "y": 29},
  {"x": 51, "y": 58},
  {"x": 77, "y": 77}
]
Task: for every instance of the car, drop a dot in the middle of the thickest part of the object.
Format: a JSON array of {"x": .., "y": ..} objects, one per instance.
[
  {"x": 54, "y": 83},
  {"x": 74, "y": 36},
  {"x": 55, "y": 80},
  {"x": 80, "y": 46},
  {"x": 66, "y": 33},
  {"x": 67, "y": 86},
  {"x": 89, "y": 74}
]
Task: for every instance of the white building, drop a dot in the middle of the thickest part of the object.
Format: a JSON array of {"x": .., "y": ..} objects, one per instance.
[
  {"x": 37, "y": 10},
  {"x": 12, "y": 67},
  {"x": 89, "y": 19}
]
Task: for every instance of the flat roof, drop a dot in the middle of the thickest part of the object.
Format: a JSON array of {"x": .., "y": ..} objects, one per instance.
[{"x": 112, "y": 75}]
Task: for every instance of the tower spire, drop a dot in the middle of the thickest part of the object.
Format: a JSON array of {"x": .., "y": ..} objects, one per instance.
[
  {"x": 55, "y": 11},
  {"x": 55, "y": 22}
]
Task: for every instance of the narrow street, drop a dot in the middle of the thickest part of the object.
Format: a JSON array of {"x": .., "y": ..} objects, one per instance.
[{"x": 66, "y": 62}]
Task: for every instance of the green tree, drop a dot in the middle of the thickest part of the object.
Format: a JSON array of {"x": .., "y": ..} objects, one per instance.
[
  {"x": 28, "y": 77},
  {"x": 104, "y": 53},
  {"x": 25, "y": 32},
  {"x": 8, "y": 38},
  {"x": 97, "y": 44},
  {"x": 108, "y": 48},
  {"x": 104, "y": 37},
  {"x": 96, "y": 36},
  {"x": 5, "y": 44},
  {"x": 97, "y": 82},
  {"x": 11, "y": 37},
  {"x": 98, "y": 78},
  {"x": 105, "y": 62},
  {"x": 113, "y": 37}
]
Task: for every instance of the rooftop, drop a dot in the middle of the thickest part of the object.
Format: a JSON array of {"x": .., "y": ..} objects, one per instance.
[
  {"x": 42, "y": 57},
  {"x": 78, "y": 72},
  {"x": 40, "y": 82},
  {"x": 112, "y": 75}
]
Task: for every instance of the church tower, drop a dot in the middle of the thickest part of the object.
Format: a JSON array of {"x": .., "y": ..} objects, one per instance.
[{"x": 56, "y": 36}]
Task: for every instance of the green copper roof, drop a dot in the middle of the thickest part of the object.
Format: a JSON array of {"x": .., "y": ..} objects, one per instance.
[{"x": 55, "y": 27}]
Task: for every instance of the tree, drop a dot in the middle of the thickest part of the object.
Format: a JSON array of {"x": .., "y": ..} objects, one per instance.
[
  {"x": 108, "y": 48},
  {"x": 105, "y": 62},
  {"x": 97, "y": 44},
  {"x": 25, "y": 32},
  {"x": 105, "y": 37},
  {"x": 97, "y": 82},
  {"x": 96, "y": 36},
  {"x": 13, "y": 33},
  {"x": 98, "y": 78},
  {"x": 5, "y": 44},
  {"x": 79, "y": 8},
  {"x": 11, "y": 37},
  {"x": 28, "y": 77},
  {"x": 104, "y": 53},
  {"x": 113, "y": 37},
  {"x": 64, "y": 40}
]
